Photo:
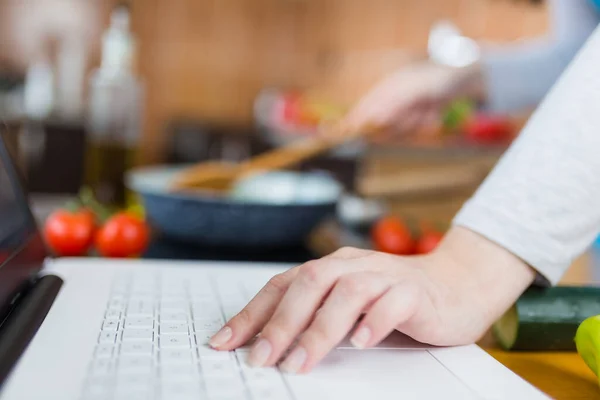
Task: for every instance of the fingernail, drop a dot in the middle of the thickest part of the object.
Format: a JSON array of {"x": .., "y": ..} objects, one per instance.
[
  {"x": 361, "y": 337},
  {"x": 221, "y": 337},
  {"x": 294, "y": 361},
  {"x": 260, "y": 353}
]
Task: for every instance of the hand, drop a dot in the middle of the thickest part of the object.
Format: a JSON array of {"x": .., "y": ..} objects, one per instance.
[
  {"x": 449, "y": 297},
  {"x": 414, "y": 97}
]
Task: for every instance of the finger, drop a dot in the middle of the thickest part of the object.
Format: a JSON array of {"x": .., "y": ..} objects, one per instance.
[
  {"x": 368, "y": 110},
  {"x": 409, "y": 123},
  {"x": 297, "y": 308},
  {"x": 432, "y": 118},
  {"x": 248, "y": 322},
  {"x": 395, "y": 307},
  {"x": 338, "y": 315}
]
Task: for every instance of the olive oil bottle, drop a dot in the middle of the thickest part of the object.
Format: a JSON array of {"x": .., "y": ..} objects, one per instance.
[{"x": 114, "y": 114}]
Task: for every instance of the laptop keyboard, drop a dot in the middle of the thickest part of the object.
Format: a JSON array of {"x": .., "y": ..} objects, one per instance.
[{"x": 152, "y": 345}]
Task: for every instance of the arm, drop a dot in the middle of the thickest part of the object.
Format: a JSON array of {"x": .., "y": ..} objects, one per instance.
[
  {"x": 542, "y": 201},
  {"x": 519, "y": 76}
]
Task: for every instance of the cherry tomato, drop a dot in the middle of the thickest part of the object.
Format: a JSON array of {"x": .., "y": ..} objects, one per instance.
[
  {"x": 488, "y": 129},
  {"x": 428, "y": 242},
  {"x": 69, "y": 233},
  {"x": 291, "y": 108},
  {"x": 123, "y": 235},
  {"x": 391, "y": 235}
]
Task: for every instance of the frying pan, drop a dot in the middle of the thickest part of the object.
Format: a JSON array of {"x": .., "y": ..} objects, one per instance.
[{"x": 276, "y": 209}]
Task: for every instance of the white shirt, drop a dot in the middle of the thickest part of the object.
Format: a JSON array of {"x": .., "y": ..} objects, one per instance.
[{"x": 542, "y": 200}]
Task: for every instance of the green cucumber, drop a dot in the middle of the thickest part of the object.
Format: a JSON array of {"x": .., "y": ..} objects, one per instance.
[{"x": 546, "y": 319}]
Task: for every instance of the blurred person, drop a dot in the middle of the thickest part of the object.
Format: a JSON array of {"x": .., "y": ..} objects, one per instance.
[
  {"x": 506, "y": 79},
  {"x": 534, "y": 214}
]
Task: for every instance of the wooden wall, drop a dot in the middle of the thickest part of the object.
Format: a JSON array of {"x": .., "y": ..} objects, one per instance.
[{"x": 209, "y": 58}]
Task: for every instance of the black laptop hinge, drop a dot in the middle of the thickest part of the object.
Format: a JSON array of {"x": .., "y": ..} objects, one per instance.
[{"x": 24, "y": 320}]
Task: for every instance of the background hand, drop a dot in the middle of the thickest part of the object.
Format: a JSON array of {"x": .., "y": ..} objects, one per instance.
[{"x": 414, "y": 97}]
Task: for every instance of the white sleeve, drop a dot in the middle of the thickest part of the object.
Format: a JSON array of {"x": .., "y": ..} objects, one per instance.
[
  {"x": 519, "y": 76},
  {"x": 542, "y": 200}
]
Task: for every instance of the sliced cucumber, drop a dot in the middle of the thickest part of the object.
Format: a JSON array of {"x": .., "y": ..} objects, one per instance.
[{"x": 545, "y": 319}]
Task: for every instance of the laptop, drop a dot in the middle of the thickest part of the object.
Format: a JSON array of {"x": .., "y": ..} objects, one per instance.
[{"x": 95, "y": 329}]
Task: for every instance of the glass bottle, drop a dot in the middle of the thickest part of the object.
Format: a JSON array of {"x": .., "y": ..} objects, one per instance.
[{"x": 114, "y": 114}]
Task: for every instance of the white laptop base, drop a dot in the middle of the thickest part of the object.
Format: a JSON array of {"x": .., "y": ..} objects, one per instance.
[{"x": 137, "y": 330}]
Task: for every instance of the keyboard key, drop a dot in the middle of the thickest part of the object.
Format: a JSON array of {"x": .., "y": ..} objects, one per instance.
[
  {"x": 116, "y": 304},
  {"x": 104, "y": 350},
  {"x": 268, "y": 385},
  {"x": 208, "y": 325},
  {"x": 218, "y": 367},
  {"x": 107, "y": 337},
  {"x": 228, "y": 396},
  {"x": 173, "y": 317},
  {"x": 110, "y": 325},
  {"x": 208, "y": 315},
  {"x": 142, "y": 334},
  {"x": 225, "y": 387},
  {"x": 169, "y": 288},
  {"x": 147, "y": 298},
  {"x": 134, "y": 394},
  {"x": 171, "y": 340},
  {"x": 143, "y": 290},
  {"x": 174, "y": 327},
  {"x": 175, "y": 356},
  {"x": 101, "y": 379},
  {"x": 260, "y": 375},
  {"x": 113, "y": 315},
  {"x": 201, "y": 295},
  {"x": 121, "y": 288},
  {"x": 181, "y": 390},
  {"x": 167, "y": 297},
  {"x": 118, "y": 296},
  {"x": 101, "y": 366},
  {"x": 97, "y": 392},
  {"x": 139, "y": 322},
  {"x": 139, "y": 348},
  {"x": 177, "y": 305},
  {"x": 214, "y": 317},
  {"x": 135, "y": 380},
  {"x": 205, "y": 351},
  {"x": 179, "y": 373},
  {"x": 268, "y": 392},
  {"x": 206, "y": 305},
  {"x": 202, "y": 337},
  {"x": 140, "y": 311},
  {"x": 135, "y": 364}
]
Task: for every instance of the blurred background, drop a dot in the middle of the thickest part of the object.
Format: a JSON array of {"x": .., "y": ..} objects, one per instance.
[{"x": 91, "y": 89}]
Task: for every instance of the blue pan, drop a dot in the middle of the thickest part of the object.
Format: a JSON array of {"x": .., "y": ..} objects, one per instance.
[{"x": 272, "y": 210}]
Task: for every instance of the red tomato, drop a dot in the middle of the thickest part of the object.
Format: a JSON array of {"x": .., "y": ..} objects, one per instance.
[
  {"x": 291, "y": 108},
  {"x": 69, "y": 233},
  {"x": 123, "y": 235},
  {"x": 428, "y": 242},
  {"x": 391, "y": 235},
  {"x": 488, "y": 129}
]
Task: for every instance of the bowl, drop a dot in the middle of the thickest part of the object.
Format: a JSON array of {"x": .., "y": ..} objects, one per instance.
[{"x": 273, "y": 209}]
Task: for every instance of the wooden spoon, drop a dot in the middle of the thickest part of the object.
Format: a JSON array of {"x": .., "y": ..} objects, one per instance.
[{"x": 221, "y": 176}]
